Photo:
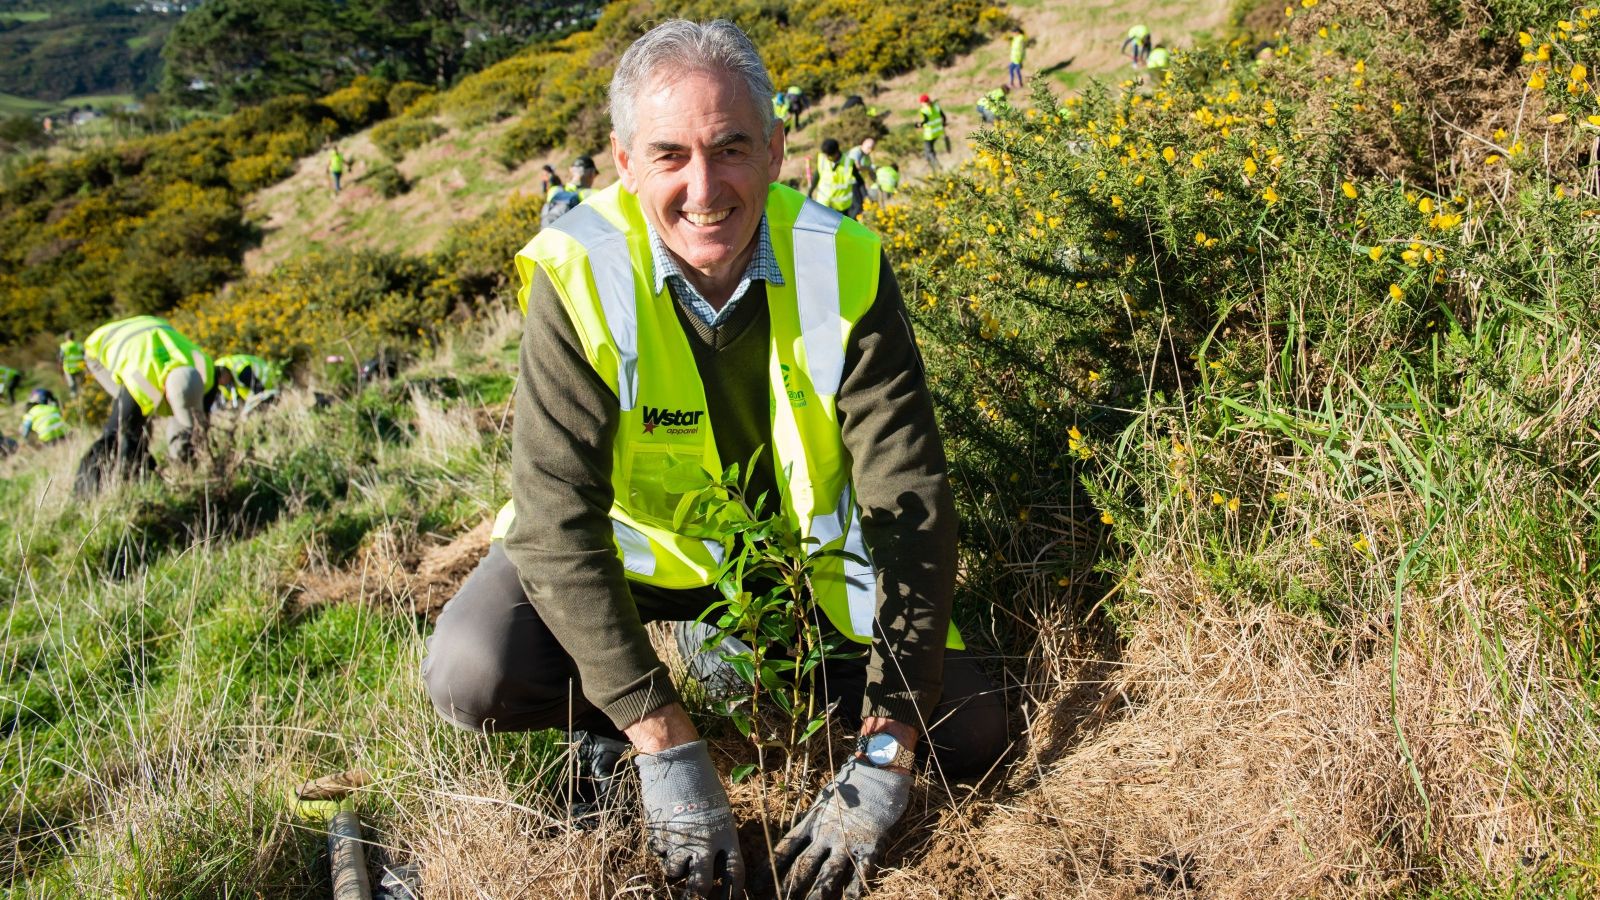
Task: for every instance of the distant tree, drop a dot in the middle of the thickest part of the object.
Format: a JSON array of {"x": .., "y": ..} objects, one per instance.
[
  {"x": 234, "y": 52},
  {"x": 238, "y": 52},
  {"x": 20, "y": 131}
]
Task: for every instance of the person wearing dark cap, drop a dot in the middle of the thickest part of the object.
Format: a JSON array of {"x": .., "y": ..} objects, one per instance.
[
  {"x": 931, "y": 118},
  {"x": 833, "y": 182},
  {"x": 583, "y": 174}
]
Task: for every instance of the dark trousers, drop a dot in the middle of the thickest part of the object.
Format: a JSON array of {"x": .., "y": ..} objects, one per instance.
[
  {"x": 122, "y": 450},
  {"x": 493, "y": 665}
]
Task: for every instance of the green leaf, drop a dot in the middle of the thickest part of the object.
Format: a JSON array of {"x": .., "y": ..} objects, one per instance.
[
  {"x": 681, "y": 515},
  {"x": 683, "y": 477},
  {"x": 812, "y": 726},
  {"x": 741, "y": 772},
  {"x": 783, "y": 702},
  {"x": 741, "y": 722}
]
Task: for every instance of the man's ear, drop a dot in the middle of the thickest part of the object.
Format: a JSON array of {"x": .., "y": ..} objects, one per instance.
[
  {"x": 775, "y": 147},
  {"x": 621, "y": 159}
]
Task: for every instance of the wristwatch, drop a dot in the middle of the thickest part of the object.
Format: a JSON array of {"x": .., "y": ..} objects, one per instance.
[{"x": 882, "y": 751}]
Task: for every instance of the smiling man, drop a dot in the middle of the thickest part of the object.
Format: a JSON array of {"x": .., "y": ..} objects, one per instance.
[{"x": 698, "y": 311}]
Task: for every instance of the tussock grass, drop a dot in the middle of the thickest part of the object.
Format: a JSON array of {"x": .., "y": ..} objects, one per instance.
[{"x": 1289, "y": 574}]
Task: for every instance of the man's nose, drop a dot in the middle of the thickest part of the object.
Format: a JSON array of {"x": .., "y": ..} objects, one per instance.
[{"x": 699, "y": 182}]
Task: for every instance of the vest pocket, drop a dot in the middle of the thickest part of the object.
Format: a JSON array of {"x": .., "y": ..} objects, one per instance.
[{"x": 645, "y": 468}]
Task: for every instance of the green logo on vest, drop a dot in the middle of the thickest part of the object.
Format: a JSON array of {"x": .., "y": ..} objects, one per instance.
[
  {"x": 797, "y": 399},
  {"x": 677, "y": 421}
]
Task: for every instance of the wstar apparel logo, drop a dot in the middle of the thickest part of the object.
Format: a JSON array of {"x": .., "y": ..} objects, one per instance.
[{"x": 676, "y": 421}]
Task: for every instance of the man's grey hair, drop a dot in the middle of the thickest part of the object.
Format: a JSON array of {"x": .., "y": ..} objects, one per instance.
[{"x": 684, "y": 46}]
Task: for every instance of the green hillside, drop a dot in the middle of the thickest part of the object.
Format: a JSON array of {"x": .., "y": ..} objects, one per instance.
[
  {"x": 56, "y": 51},
  {"x": 1267, "y": 384}
]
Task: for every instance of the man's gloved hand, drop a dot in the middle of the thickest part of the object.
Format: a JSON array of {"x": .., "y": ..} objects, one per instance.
[
  {"x": 833, "y": 850},
  {"x": 688, "y": 820}
]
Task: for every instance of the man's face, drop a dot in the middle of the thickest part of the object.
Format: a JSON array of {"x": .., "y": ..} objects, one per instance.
[
  {"x": 868, "y": 144},
  {"x": 580, "y": 176},
  {"x": 700, "y": 166}
]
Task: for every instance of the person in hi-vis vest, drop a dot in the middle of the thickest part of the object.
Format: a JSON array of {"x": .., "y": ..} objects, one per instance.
[
  {"x": 151, "y": 370},
  {"x": 700, "y": 311}
]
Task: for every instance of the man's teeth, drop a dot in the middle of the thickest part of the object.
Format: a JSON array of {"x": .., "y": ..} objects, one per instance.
[{"x": 707, "y": 218}]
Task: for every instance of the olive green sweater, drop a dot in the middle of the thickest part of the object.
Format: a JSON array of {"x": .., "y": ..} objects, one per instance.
[{"x": 562, "y": 544}]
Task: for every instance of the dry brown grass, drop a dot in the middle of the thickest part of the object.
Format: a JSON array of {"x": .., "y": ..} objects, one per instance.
[{"x": 1241, "y": 759}]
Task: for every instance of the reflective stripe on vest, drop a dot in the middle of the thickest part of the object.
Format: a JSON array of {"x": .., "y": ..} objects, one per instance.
[
  {"x": 45, "y": 421},
  {"x": 141, "y": 351},
  {"x": 72, "y": 357},
  {"x": 835, "y": 182},
  {"x": 237, "y": 363},
  {"x": 602, "y": 270}
]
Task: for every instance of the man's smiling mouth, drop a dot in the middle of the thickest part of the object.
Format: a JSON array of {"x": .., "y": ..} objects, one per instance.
[{"x": 710, "y": 218}]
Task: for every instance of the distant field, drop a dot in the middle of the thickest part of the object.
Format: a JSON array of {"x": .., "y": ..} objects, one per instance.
[
  {"x": 99, "y": 101},
  {"x": 12, "y": 105}
]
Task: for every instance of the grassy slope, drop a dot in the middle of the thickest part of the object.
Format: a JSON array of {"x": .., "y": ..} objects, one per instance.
[
  {"x": 156, "y": 714},
  {"x": 456, "y": 177}
]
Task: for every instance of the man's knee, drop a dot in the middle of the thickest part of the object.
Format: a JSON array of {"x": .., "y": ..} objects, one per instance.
[
  {"x": 468, "y": 687},
  {"x": 970, "y": 733},
  {"x": 488, "y": 665}
]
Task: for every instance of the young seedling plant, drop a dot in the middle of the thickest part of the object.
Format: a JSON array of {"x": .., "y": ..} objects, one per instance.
[{"x": 765, "y": 588}]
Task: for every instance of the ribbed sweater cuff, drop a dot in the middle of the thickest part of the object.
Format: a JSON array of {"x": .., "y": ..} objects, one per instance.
[
  {"x": 642, "y": 700},
  {"x": 909, "y": 706}
]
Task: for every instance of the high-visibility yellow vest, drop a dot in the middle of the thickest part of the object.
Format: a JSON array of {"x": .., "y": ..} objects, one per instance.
[
  {"x": 780, "y": 106},
  {"x": 1019, "y": 48},
  {"x": 1138, "y": 33},
  {"x": 71, "y": 357},
  {"x": 44, "y": 421},
  {"x": 237, "y": 363},
  {"x": 598, "y": 258},
  {"x": 140, "y": 352},
  {"x": 336, "y": 162},
  {"x": 7, "y": 375},
  {"x": 888, "y": 179},
  {"x": 582, "y": 192},
  {"x": 932, "y": 121},
  {"x": 1159, "y": 59},
  {"x": 835, "y": 181}
]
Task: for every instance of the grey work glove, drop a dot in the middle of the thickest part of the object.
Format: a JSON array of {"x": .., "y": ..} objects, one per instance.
[
  {"x": 688, "y": 820},
  {"x": 833, "y": 850}
]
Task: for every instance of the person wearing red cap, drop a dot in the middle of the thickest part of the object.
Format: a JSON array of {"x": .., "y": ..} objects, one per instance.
[{"x": 932, "y": 119}]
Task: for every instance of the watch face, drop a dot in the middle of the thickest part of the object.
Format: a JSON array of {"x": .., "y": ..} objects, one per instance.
[{"x": 880, "y": 749}]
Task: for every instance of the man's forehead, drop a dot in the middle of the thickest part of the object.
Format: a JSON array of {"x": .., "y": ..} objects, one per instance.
[{"x": 694, "y": 99}]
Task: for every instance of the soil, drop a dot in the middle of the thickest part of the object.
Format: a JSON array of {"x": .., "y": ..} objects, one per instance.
[{"x": 418, "y": 580}]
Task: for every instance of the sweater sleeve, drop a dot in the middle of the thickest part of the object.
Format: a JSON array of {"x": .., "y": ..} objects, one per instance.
[
  {"x": 908, "y": 516},
  {"x": 561, "y": 542}
]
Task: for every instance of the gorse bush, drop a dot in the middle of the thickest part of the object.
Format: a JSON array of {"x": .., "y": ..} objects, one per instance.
[
  {"x": 360, "y": 302},
  {"x": 1232, "y": 231},
  {"x": 556, "y": 93},
  {"x": 138, "y": 226},
  {"x": 396, "y": 136}
]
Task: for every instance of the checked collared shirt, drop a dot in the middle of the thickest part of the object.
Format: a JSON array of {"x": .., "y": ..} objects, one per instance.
[{"x": 763, "y": 267}]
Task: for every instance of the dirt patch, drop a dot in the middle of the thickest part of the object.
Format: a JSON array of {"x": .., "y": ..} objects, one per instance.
[{"x": 419, "y": 580}]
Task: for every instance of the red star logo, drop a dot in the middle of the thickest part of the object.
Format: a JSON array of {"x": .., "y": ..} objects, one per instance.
[{"x": 649, "y": 427}]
